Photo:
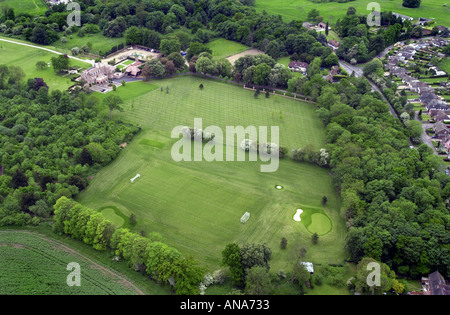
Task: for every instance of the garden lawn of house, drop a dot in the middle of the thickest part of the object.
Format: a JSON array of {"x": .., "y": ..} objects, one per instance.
[
  {"x": 331, "y": 11},
  {"x": 197, "y": 206},
  {"x": 223, "y": 48},
  {"x": 27, "y": 57}
]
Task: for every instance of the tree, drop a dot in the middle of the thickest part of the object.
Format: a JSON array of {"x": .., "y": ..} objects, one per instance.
[
  {"x": 41, "y": 65},
  {"x": 231, "y": 257},
  {"x": 113, "y": 102},
  {"x": 301, "y": 275},
  {"x": 60, "y": 63},
  {"x": 313, "y": 15},
  {"x": 257, "y": 281},
  {"x": 411, "y": 3},
  {"x": 41, "y": 209},
  {"x": 261, "y": 73},
  {"x": 255, "y": 255},
  {"x": 283, "y": 243},
  {"x": 386, "y": 277},
  {"x": 205, "y": 65},
  {"x": 315, "y": 238},
  {"x": 133, "y": 220},
  {"x": 169, "y": 46},
  {"x": 133, "y": 35}
]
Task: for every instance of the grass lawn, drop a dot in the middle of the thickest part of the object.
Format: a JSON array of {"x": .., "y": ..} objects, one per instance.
[
  {"x": 33, "y": 7},
  {"x": 223, "y": 48},
  {"x": 197, "y": 206},
  {"x": 444, "y": 65},
  {"x": 26, "y": 58},
  {"x": 331, "y": 11},
  {"x": 99, "y": 42}
]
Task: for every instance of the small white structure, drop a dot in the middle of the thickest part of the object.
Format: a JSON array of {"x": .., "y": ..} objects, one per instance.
[
  {"x": 134, "y": 178},
  {"x": 308, "y": 266},
  {"x": 245, "y": 217}
]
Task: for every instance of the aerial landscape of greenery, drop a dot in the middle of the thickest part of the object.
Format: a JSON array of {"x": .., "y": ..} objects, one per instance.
[{"x": 87, "y": 168}]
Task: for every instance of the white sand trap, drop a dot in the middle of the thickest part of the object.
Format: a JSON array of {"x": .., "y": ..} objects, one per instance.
[
  {"x": 278, "y": 187},
  {"x": 297, "y": 215}
]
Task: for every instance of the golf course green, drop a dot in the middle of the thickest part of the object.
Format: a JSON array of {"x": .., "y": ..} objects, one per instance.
[{"x": 196, "y": 206}]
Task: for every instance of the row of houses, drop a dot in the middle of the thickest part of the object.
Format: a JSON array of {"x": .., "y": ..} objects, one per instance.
[{"x": 435, "y": 106}]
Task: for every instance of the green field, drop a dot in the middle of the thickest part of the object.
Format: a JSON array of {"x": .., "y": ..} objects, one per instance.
[
  {"x": 223, "y": 48},
  {"x": 34, "y": 264},
  {"x": 33, "y": 7},
  {"x": 26, "y": 58},
  {"x": 197, "y": 206},
  {"x": 331, "y": 11},
  {"x": 99, "y": 42}
]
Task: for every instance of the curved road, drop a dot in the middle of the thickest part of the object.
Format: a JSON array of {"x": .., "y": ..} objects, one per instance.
[{"x": 92, "y": 62}]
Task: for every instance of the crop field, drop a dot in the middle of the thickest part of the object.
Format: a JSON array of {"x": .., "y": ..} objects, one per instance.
[
  {"x": 197, "y": 206},
  {"x": 32, "y": 263},
  {"x": 331, "y": 11}
]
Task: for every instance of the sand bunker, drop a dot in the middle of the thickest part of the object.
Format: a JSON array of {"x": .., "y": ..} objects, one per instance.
[{"x": 297, "y": 215}]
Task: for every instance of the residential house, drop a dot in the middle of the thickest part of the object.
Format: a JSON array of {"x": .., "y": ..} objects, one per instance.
[
  {"x": 333, "y": 44},
  {"x": 437, "y": 104},
  {"x": 298, "y": 66},
  {"x": 441, "y": 130},
  {"x": 322, "y": 26},
  {"x": 439, "y": 115},
  {"x": 435, "y": 284},
  {"x": 100, "y": 74},
  {"x": 423, "y": 21},
  {"x": 403, "y": 17},
  {"x": 426, "y": 98},
  {"x": 133, "y": 69},
  {"x": 334, "y": 70}
]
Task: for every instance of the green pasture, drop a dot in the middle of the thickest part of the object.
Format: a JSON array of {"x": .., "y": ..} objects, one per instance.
[
  {"x": 223, "y": 48},
  {"x": 331, "y": 11},
  {"x": 197, "y": 206}
]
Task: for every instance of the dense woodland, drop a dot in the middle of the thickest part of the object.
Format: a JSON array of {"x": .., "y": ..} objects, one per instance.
[
  {"x": 396, "y": 199},
  {"x": 51, "y": 143}
]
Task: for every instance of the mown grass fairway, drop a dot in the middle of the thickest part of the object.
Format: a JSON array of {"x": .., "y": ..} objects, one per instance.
[
  {"x": 27, "y": 57},
  {"x": 331, "y": 11},
  {"x": 34, "y": 264},
  {"x": 197, "y": 206}
]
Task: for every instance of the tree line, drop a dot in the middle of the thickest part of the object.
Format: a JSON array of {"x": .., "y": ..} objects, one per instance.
[{"x": 148, "y": 255}]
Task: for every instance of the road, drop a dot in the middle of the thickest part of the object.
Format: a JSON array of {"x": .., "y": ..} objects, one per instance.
[
  {"x": 359, "y": 73},
  {"x": 92, "y": 62}
]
